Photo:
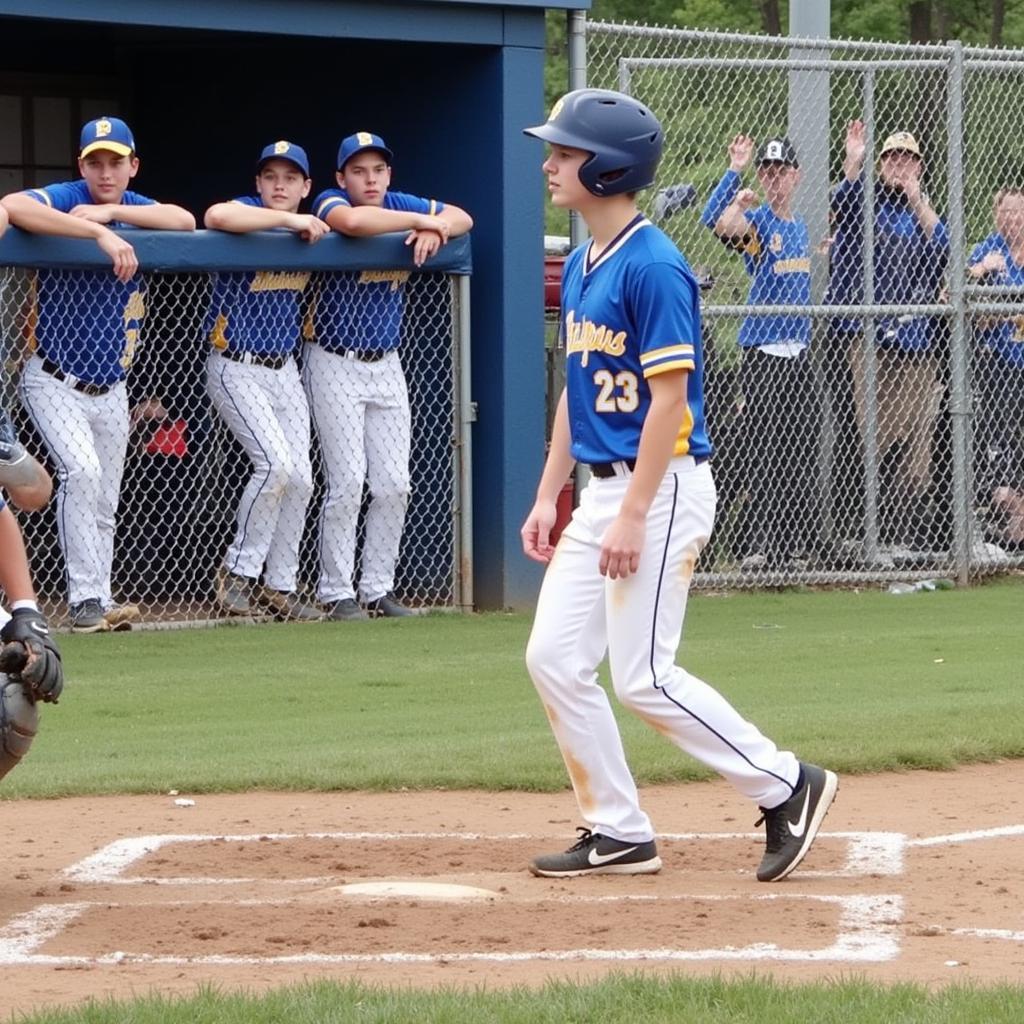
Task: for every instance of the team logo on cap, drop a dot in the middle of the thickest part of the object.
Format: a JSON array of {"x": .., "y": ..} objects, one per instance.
[
  {"x": 103, "y": 128},
  {"x": 555, "y": 110},
  {"x": 774, "y": 151},
  {"x": 365, "y": 138},
  {"x": 282, "y": 147}
]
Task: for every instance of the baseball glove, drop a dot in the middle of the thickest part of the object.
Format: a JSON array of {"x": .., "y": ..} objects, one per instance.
[{"x": 29, "y": 656}]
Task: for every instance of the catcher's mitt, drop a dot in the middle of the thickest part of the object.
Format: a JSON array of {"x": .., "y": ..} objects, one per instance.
[{"x": 29, "y": 656}]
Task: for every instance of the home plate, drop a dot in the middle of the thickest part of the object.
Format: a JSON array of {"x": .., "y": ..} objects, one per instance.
[{"x": 420, "y": 890}]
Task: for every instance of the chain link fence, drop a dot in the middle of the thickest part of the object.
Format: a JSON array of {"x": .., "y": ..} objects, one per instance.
[
  {"x": 201, "y": 423},
  {"x": 866, "y": 412}
]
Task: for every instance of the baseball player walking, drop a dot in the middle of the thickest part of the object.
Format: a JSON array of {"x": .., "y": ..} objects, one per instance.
[
  {"x": 254, "y": 383},
  {"x": 633, "y": 409},
  {"x": 354, "y": 379},
  {"x": 86, "y": 330}
]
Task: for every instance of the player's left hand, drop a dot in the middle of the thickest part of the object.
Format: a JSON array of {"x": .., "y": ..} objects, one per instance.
[
  {"x": 621, "y": 546},
  {"x": 425, "y": 244},
  {"x": 30, "y": 656},
  {"x": 100, "y": 213}
]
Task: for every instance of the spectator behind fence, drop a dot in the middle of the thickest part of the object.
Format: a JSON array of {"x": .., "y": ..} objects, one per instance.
[
  {"x": 780, "y": 418},
  {"x": 911, "y": 251},
  {"x": 87, "y": 326},
  {"x": 354, "y": 379},
  {"x": 253, "y": 381},
  {"x": 999, "y": 362}
]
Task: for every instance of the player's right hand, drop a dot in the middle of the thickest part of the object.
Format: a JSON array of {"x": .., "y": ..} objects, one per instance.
[
  {"x": 309, "y": 228},
  {"x": 993, "y": 262},
  {"x": 741, "y": 149},
  {"x": 855, "y": 141},
  {"x": 428, "y": 222},
  {"x": 536, "y": 532},
  {"x": 121, "y": 253}
]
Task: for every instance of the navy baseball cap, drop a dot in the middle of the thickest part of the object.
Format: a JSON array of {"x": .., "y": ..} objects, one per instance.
[
  {"x": 284, "y": 151},
  {"x": 353, "y": 144},
  {"x": 777, "y": 151},
  {"x": 107, "y": 133}
]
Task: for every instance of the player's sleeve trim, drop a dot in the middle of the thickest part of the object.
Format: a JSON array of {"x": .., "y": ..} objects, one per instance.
[
  {"x": 329, "y": 203},
  {"x": 41, "y": 195},
  {"x": 662, "y": 360}
]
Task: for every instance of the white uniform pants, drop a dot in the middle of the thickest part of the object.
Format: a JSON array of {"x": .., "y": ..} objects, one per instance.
[
  {"x": 266, "y": 410},
  {"x": 361, "y": 415},
  {"x": 86, "y": 436},
  {"x": 638, "y": 621}
]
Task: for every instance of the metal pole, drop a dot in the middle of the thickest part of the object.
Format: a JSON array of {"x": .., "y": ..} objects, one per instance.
[
  {"x": 577, "y": 36},
  {"x": 464, "y": 419},
  {"x": 959, "y": 356},
  {"x": 870, "y": 410}
]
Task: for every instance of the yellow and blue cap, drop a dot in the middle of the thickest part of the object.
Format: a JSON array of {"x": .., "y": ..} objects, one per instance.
[
  {"x": 353, "y": 144},
  {"x": 107, "y": 133},
  {"x": 284, "y": 150}
]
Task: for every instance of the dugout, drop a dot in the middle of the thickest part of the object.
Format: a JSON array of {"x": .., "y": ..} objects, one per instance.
[{"x": 449, "y": 86}]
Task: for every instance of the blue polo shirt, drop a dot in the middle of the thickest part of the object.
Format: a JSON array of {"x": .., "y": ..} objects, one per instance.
[
  {"x": 908, "y": 265},
  {"x": 1005, "y": 336}
]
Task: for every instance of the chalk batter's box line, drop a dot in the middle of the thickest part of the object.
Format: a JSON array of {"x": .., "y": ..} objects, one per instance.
[
  {"x": 868, "y": 932},
  {"x": 867, "y": 853}
]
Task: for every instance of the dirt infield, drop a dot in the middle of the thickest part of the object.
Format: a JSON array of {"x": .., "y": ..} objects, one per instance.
[{"x": 915, "y": 877}]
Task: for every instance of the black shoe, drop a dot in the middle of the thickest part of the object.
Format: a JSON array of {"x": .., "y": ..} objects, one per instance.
[
  {"x": 595, "y": 854},
  {"x": 387, "y": 607},
  {"x": 87, "y": 617},
  {"x": 791, "y": 827}
]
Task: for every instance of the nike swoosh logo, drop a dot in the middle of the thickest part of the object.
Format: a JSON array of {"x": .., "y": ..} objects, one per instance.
[
  {"x": 797, "y": 830},
  {"x": 40, "y": 628},
  {"x": 596, "y": 859}
]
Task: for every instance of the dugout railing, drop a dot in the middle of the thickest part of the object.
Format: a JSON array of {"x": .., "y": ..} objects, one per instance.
[
  {"x": 862, "y": 514},
  {"x": 184, "y": 472}
]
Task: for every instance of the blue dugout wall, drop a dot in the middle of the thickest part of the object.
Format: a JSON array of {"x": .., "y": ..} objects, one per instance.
[{"x": 449, "y": 86}]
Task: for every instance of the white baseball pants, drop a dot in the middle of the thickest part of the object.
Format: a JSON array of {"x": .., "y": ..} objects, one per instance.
[
  {"x": 361, "y": 414},
  {"x": 267, "y": 412},
  {"x": 638, "y": 621},
  {"x": 87, "y": 437}
]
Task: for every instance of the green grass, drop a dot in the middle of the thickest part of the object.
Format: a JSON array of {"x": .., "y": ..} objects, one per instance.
[
  {"x": 861, "y": 681},
  {"x": 631, "y": 999}
]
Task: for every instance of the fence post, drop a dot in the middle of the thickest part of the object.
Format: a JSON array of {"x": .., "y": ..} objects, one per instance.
[
  {"x": 577, "y": 25},
  {"x": 959, "y": 355}
]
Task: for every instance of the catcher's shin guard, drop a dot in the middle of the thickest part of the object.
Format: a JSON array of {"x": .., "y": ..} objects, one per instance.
[{"x": 19, "y": 719}]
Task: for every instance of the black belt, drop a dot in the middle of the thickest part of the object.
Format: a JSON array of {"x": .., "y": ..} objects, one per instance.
[
  {"x": 272, "y": 362},
  {"x": 79, "y": 385},
  {"x": 364, "y": 355},
  {"x": 603, "y": 470}
]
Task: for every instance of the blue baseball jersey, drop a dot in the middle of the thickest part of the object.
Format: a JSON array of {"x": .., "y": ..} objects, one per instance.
[
  {"x": 363, "y": 310},
  {"x": 256, "y": 311},
  {"x": 631, "y": 313},
  {"x": 86, "y": 321},
  {"x": 776, "y": 254},
  {"x": 1006, "y": 336}
]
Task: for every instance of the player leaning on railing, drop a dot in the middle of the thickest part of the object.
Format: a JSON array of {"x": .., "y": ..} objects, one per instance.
[{"x": 87, "y": 325}]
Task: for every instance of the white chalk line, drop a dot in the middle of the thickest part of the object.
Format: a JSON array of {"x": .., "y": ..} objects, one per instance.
[
  {"x": 867, "y": 853},
  {"x": 1002, "y": 832},
  {"x": 990, "y": 933},
  {"x": 867, "y": 933}
]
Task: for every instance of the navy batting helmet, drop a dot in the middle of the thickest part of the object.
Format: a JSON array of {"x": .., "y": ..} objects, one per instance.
[{"x": 623, "y": 135}]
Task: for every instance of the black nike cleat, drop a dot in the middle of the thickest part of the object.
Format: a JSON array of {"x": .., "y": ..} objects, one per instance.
[
  {"x": 791, "y": 827},
  {"x": 595, "y": 854}
]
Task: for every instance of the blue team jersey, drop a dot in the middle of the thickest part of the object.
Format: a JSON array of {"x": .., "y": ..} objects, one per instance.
[
  {"x": 776, "y": 254},
  {"x": 87, "y": 322},
  {"x": 363, "y": 310},
  {"x": 1006, "y": 336},
  {"x": 628, "y": 315},
  {"x": 256, "y": 311}
]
